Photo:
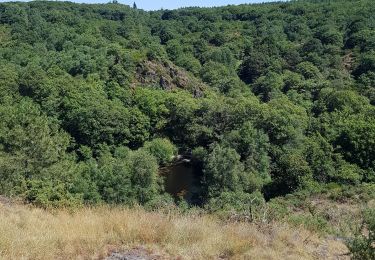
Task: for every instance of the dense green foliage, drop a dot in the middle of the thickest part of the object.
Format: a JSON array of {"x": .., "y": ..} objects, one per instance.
[{"x": 269, "y": 99}]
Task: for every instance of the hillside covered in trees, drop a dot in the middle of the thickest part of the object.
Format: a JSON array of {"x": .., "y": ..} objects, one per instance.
[
  {"x": 267, "y": 100},
  {"x": 270, "y": 106}
]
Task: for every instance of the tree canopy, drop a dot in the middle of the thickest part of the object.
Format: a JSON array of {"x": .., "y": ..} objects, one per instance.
[{"x": 268, "y": 99}]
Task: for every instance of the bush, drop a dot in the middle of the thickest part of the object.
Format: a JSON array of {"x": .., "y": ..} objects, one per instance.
[
  {"x": 362, "y": 247},
  {"x": 245, "y": 206},
  {"x": 47, "y": 194},
  {"x": 315, "y": 223}
]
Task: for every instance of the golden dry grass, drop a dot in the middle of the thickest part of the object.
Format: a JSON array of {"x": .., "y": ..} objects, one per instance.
[{"x": 92, "y": 233}]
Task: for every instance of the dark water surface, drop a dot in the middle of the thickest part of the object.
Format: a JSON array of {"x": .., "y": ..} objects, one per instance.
[{"x": 182, "y": 180}]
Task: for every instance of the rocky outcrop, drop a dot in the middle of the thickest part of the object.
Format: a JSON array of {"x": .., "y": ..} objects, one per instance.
[{"x": 167, "y": 76}]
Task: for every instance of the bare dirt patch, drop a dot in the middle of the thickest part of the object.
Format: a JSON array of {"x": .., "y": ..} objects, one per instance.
[{"x": 138, "y": 253}]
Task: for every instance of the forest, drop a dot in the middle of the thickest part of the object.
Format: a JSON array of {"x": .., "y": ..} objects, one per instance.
[{"x": 269, "y": 102}]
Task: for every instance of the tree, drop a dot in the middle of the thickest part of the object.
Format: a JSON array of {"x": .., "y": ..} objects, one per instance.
[
  {"x": 144, "y": 176},
  {"x": 112, "y": 176},
  {"x": 92, "y": 119},
  {"x": 292, "y": 172},
  {"x": 282, "y": 91},
  {"x": 222, "y": 171},
  {"x": 220, "y": 77},
  {"x": 366, "y": 64},
  {"x": 268, "y": 86},
  {"x": 8, "y": 82},
  {"x": 308, "y": 70},
  {"x": 253, "y": 146},
  {"x": 253, "y": 66},
  {"x": 32, "y": 148},
  {"x": 319, "y": 155},
  {"x": 356, "y": 142},
  {"x": 346, "y": 101},
  {"x": 284, "y": 121},
  {"x": 162, "y": 149}
]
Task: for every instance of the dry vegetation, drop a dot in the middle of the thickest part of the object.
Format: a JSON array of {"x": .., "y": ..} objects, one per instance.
[{"x": 32, "y": 233}]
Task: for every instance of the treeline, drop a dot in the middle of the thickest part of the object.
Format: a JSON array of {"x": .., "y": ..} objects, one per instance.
[{"x": 282, "y": 100}]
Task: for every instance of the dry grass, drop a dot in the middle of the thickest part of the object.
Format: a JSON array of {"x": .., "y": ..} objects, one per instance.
[{"x": 31, "y": 233}]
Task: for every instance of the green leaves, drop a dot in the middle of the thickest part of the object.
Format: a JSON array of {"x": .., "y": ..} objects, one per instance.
[
  {"x": 292, "y": 172},
  {"x": 222, "y": 171},
  {"x": 144, "y": 175},
  {"x": 283, "y": 121},
  {"x": 270, "y": 98},
  {"x": 30, "y": 146},
  {"x": 356, "y": 142},
  {"x": 129, "y": 177},
  {"x": 162, "y": 149}
]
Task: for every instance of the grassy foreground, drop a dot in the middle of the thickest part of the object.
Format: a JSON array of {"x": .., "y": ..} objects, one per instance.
[{"x": 93, "y": 233}]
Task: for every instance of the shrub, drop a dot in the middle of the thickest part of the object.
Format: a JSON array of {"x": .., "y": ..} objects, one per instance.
[
  {"x": 245, "y": 206},
  {"x": 47, "y": 194},
  {"x": 362, "y": 247}
]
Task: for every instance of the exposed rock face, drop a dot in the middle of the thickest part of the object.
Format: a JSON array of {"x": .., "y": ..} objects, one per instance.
[{"x": 167, "y": 76}]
